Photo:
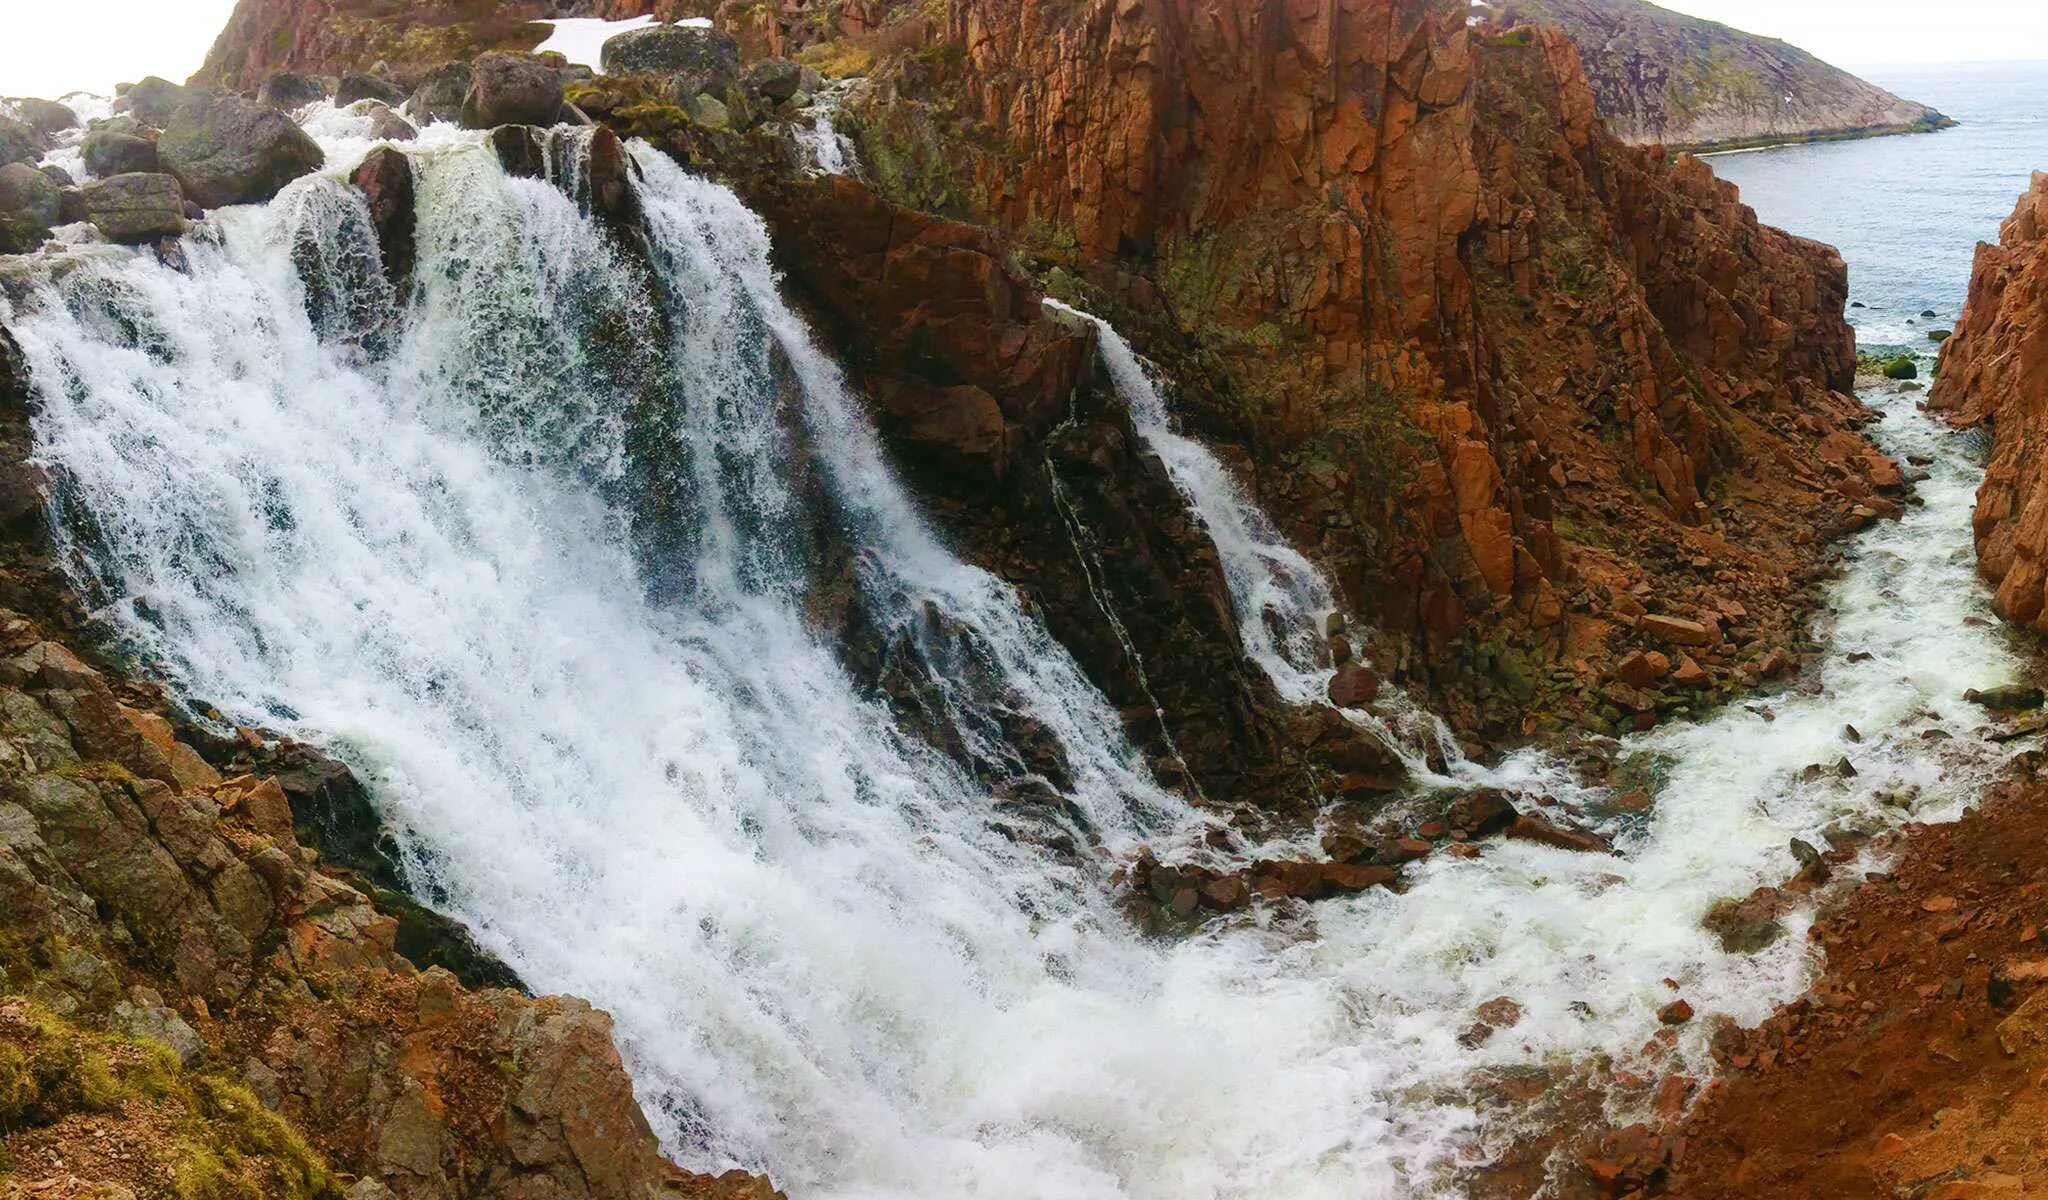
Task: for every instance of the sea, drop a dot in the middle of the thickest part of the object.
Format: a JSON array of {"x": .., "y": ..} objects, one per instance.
[{"x": 1907, "y": 212}]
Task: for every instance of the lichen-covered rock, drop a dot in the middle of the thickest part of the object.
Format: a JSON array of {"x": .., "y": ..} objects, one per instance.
[
  {"x": 225, "y": 150},
  {"x": 359, "y": 85},
  {"x": 19, "y": 142},
  {"x": 506, "y": 89},
  {"x": 108, "y": 152},
  {"x": 709, "y": 58},
  {"x": 44, "y": 116},
  {"x": 29, "y": 192},
  {"x": 289, "y": 90},
  {"x": 152, "y": 101},
  {"x": 440, "y": 93},
  {"x": 134, "y": 208}
]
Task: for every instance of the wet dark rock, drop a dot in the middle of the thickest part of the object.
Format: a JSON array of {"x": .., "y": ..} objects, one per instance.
[
  {"x": 360, "y": 85},
  {"x": 775, "y": 79},
  {"x": 1531, "y": 828},
  {"x": 1482, "y": 814},
  {"x": 2013, "y": 697},
  {"x": 287, "y": 90},
  {"x": 1353, "y": 686},
  {"x": 153, "y": 101},
  {"x": 1748, "y": 925},
  {"x": 521, "y": 150},
  {"x": 440, "y": 93},
  {"x": 708, "y": 57},
  {"x": 58, "y": 175},
  {"x": 225, "y": 150},
  {"x": 28, "y": 192},
  {"x": 107, "y": 153},
  {"x": 44, "y": 116},
  {"x": 135, "y": 208},
  {"x": 506, "y": 89},
  {"x": 385, "y": 178}
]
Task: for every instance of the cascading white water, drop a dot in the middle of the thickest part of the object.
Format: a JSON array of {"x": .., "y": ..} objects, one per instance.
[
  {"x": 828, "y": 150},
  {"x": 536, "y": 566},
  {"x": 1282, "y": 600}
]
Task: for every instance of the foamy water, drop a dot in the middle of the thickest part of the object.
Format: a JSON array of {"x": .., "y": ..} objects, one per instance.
[{"x": 538, "y": 565}]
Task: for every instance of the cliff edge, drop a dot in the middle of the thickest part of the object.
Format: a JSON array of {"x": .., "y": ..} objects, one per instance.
[{"x": 1667, "y": 78}]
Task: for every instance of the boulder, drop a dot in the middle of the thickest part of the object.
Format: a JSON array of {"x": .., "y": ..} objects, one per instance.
[
  {"x": 708, "y": 58},
  {"x": 440, "y": 93},
  {"x": 387, "y": 126},
  {"x": 109, "y": 153},
  {"x": 135, "y": 208},
  {"x": 57, "y": 175},
  {"x": 1678, "y": 1012},
  {"x": 2012, "y": 697},
  {"x": 506, "y": 89},
  {"x": 44, "y": 116},
  {"x": 19, "y": 142},
  {"x": 20, "y": 233},
  {"x": 1531, "y": 828},
  {"x": 288, "y": 91},
  {"x": 28, "y": 192},
  {"x": 708, "y": 111},
  {"x": 1748, "y": 925},
  {"x": 1482, "y": 813},
  {"x": 153, "y": 101},
  {"x": 1640, "y": 670},
  {"x": 1902, "y": 367},
  {"x": 386, "y": 181},
  {"x": 1677, "y": 630},
  {"x": 1354, "y": 686},
  {"x": 230, "y": 151},
  {"x": 521, "y": 150},
  {"x": 775, "y": 79},
  {"x": 359, "y": 85}
]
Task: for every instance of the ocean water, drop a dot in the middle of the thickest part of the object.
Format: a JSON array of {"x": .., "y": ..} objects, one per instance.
[{"x": 1907, "y": 212}]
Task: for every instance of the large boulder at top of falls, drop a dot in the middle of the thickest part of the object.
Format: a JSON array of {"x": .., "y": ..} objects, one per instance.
[
  {"x": 229, "y": 151},
  {"x": 44, "y": 116},
  {"x": 107, "y": 153},
  {"x": 506, "y": 89},
  {"x": 288, "y": 90},
  {"x": 19, "y": 142},
  {"x": 358, "y": 85},
  {"x": 709, "y": 54},
  {"x": 29, "y": 192},
  {"x": 135, "y": 208},
  {"x": 385, "y": 179},
  {"x": 152, "y": 101},
  {"x": 439, "y": 94}
]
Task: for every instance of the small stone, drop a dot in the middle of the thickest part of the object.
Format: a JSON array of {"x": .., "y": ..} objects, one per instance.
[{"x": 1678, "y": 1012}]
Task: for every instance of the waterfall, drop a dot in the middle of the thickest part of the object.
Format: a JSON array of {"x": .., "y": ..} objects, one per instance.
[
  {"x": 558, "y": 556},
  {"x": 828, "y": 151}
]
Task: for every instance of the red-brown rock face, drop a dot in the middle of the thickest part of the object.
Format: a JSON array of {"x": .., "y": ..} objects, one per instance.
[
  {"x": 1995, "y": 370},
  {"x": 1497, "y": 367}
]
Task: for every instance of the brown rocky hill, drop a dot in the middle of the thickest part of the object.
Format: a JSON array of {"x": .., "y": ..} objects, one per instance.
[
  {"x": 1994, "y": 372},
  {"x": 1664, "y": 77}
]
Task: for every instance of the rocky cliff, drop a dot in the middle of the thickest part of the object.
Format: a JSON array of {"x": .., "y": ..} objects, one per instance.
[
  {"x": 1664, "y": 77},
  {"x": 1994, "y": 372},
  {"x": 1530, "y": 393}
]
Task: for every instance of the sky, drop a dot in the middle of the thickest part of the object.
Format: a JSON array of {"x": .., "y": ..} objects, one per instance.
[
  {"x": 48, "y": 47},
  {"x": 1858, "y": 32}
]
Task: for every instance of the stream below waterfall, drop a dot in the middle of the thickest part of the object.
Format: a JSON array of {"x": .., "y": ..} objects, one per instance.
[{"x": 642, "y": 775}]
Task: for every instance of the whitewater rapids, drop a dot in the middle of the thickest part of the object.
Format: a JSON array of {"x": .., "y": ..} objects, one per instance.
[{"x": 415, "y": 532}]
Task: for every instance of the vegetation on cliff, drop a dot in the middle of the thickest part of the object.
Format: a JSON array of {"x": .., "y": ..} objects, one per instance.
[{"x": 1663, "y": 77}]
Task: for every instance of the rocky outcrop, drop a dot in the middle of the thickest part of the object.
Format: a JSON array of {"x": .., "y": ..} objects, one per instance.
[
  {"x": 1507, "y": 377},
  {"x": 328, "y": 37},
  {"x": 1994, "y": 372},
  {"x": 1664, "y": 77},
  {"x": 225, "y": 150}
]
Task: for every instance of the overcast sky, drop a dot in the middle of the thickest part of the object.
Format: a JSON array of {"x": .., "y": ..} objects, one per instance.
[
  {"x": 1855, "y": 32},
  {"x": 52, "y": 46}
]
